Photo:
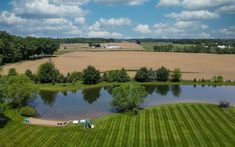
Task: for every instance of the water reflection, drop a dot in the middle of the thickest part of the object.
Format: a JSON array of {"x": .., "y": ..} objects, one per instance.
[
  {"x": 162, "y": 89},
  {"x": 176, "y": 90},
  {"x": 91, "y": 95},
  {"x": 48, "y": 97}
]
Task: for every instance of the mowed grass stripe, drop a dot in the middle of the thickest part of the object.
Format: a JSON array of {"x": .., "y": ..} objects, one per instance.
[
  {"x": 98, "y": 133},
  {"x": 210, "y": 125},
  {"x": 164, "y": 133},
  {"x": 198, "y": 134},
  {"x": 142, "y": 141},
  {"x": 137, "y": 132},
  {"x": 110, "y": 131},
  {"x": 147, "y": 129},
  {"x": 168, "y": 127},
  {"x": 17, "y": 133},
  {"x": 50, "y": 139},
  {"x": 131, "y": 135},
  {"x": 201, "y": 125},
  {"x": 126, "y": 134},
  {"x": 174, "y": 129},
  {"x": 117, "y": 129},
  {"x": 159, "y": 139},
  {"x": 31, "y": 137},
  {"x": 219, "y": 126},
  {"x": 72, "y": 141},
  {"x": 185, "y": 135},
  {"x": 121, "y": 132},
  {"x": 11, "y": 132},
  {"x": 105, "y": 132},
  {"x": 152, "y": 128}
]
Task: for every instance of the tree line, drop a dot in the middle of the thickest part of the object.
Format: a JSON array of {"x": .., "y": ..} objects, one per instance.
[
  {"x": 210, "y": 49},
  {"x": 15, "y": 48}
]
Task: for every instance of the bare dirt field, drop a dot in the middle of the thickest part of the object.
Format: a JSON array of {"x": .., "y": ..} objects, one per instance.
[{"x": 196, "y": 65}]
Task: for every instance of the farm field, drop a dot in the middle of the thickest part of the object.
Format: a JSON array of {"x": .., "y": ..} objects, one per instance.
[
  {"x": 193, "y": 65},
  {"x": 149, "y": 45},
  {"x": 165, "y": 125},
  {"x": 125, "y": 46}
]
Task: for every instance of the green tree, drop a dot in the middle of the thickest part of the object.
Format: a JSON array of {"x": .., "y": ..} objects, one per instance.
[
  {"x": 105, "y": 77},
  {"x": 27, "y": 111},
  {"x": 91, "y": 75},
  {"x": 176, "y": 75},
  {"x": 162, "y": 74},
  {"x": 29, "y": 74},
  {"x": 47, "y": 72},
  {"x": 128, "y": 97},
  {"x": 1, "y": 59},
  {"x": 142, "y": 75},
  {"x": 12, "y": 72},
  {"x": 74, "y": 77},
  {"x": 18, "y": 90}
]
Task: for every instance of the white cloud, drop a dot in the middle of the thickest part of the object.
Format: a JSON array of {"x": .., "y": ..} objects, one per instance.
[
  {"x": 112, "y": 22},
  {"x": 46, "y": 8},
  {"x": 142, "y": 28},
  {"x": 124, "y": 2},
  {"x": 11, "y": 19},
  {"x": 204, "y": 35},
  {"x": 227, "y": 9},
  {"x": 104, "y": 34},
  {"x": 228, "y": 31},
  {"x": 193, "y": 15},
  {"x": 179, "y": 29},
  {"x": 195, "y": 4},
  {"x": 79, "y": 20}
]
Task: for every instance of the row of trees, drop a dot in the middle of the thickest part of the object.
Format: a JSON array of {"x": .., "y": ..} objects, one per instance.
[
  {"x": 162, "y": 74},
  {"x": 195, "y": 49},
  {"x": 14, "y": 48}
]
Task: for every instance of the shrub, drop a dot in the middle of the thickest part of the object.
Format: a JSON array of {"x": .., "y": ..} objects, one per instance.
[
  {"x": 91, "y": 75},
  {"x": 61, "y": 78},
  {"x": 74, "y": 77},
  {"x": 220, "y": 79},
  {"x": 194, "y": 80},
  {"x": 176, "y": 75},
  {"x": 29, "y": 74},
  {"x": 117, "y": 76},
  {"x": 203, "y": 81},
  {"x": 3, "y": 120},
  {"x": 12, "y": 72},
  {"x": 162, "y": 74},
  {"x": 142, "y": 75},
  {"x": 128, "y": 97},
  {"x": 1, "y": 59},
  {"x": 47, "y": 72},
  {"x": 105, "y": 77},
  {"x": 27, "y": 111},
  {"x": 152, "y": 75}
]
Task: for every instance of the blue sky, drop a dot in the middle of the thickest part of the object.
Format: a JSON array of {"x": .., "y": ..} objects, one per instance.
[{"x": 119, "y": 18}]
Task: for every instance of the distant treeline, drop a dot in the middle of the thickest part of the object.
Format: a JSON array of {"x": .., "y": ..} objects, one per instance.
[
  {"x": 86, "y": 40},
  {"x": 195, "y": 49},
  {"x": 14, "y": 48}
]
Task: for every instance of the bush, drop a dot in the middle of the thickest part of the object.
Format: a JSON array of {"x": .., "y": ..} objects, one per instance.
[
  {"x": 29, "y": 74},
  {"x": 152, "y": 75},
  {"x": 128, "y": 97},
  {"x": 117, "y": 76},
  {"x": 12, "y": 72},
  {"x": 47, "y": 72},
  {"x": 194, "y": 80},
  {"x": 3, "y": 120},
  {"x": 142, "y": 75},
  {"x": 74, "y": 77},
  {"x": 61, "y": 78},
  {"x": 105, "y": 77},
  {"x": 1, "y": 59},
  {"x": 27, "y": 111},
  {"x": 176, "y": 75},
  {"x": 162, "y": 74},
  {"x": 220, "y": 79},
  {"x": 91, "y": 75}
]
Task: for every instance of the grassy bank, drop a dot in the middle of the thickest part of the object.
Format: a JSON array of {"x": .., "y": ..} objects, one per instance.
[
  {"x": 79, "y": 85},
  {"x": 166, "y": 125}
]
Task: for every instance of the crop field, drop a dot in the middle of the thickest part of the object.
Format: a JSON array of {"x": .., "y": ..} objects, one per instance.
[
  {"x": 149, "y": 45},
  {"x": 193, "y": 65},
  {"x": 165, "y": 125}
]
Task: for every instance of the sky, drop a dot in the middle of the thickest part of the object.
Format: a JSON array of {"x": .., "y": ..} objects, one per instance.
[{"x": 161, "y": 19}]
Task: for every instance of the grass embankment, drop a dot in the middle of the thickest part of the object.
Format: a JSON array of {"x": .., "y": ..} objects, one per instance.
[
  {"x": 149, "y": 46},
  {"x": 79, "y": 85},
  {"x": 166, "y": 125}
]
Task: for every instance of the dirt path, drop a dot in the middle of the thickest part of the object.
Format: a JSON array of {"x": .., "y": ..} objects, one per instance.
[
  {"x": 35, "y": 121},
  {"x": 197, "y": 65}
]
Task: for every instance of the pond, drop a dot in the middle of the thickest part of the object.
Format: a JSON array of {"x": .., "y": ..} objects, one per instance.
[{"x": 95, "y": 102}]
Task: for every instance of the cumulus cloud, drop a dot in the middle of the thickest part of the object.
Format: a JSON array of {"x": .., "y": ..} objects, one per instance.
[
  {"x": 227, "y": 9},
  {"x": 179, "y": 29},
  {"x": 124, "y": 2},
  {"x": 142, "y": 28},
  {"x": 193, "y": 15},
  {"x": 230, "y": 31},
  {"x": 112, "y": 22},
  {"x": 104, "y": 34},
  {"x": 195, "y": 4},
  {"x": 46, "y": 8},
  {"x": 79, "y": 20}
]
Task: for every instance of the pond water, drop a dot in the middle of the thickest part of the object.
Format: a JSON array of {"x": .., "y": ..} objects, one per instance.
[{"x": 93, "y": 103}]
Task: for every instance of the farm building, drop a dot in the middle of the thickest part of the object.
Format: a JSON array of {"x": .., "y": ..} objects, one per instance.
[{"x": 112, "y": 46}]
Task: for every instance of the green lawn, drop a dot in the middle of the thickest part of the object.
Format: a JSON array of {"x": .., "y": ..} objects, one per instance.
[{"x": 165, "y": 125}]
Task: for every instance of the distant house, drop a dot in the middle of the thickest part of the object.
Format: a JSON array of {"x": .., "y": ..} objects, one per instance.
[
  {"x": 221, "y": 46},
  {"x": 112, "y": 46}
]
